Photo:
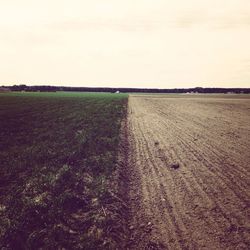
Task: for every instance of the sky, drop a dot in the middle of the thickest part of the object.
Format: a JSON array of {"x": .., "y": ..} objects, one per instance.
[{"x": 125, "y": 43}]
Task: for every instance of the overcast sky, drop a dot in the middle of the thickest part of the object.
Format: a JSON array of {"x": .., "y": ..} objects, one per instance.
[{"x": 125, "y": 43}]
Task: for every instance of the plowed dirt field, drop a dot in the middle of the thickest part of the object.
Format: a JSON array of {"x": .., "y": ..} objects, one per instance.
[{"x": 190, "y": 180}]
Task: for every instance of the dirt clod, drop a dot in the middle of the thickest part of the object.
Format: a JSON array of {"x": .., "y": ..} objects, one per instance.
[{"x": 175, "y": 165}]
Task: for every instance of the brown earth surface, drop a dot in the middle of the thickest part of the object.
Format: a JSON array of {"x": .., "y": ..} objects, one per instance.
[{"x": 189, "y": 168}]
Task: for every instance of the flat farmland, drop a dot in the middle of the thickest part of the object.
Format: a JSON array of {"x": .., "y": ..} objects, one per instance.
[
  {"x": 58, "y": 159},
  {"x": 190, "y": 180},
  {"x": 112, "y": 171}
]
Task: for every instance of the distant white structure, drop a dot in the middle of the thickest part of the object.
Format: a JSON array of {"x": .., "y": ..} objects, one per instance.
[
  {"x": 192, "y": 92},
  {"x": 117, "y": 92}
]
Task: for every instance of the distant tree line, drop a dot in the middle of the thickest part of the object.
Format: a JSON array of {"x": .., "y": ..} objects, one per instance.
[{"x": 127, "y": 90}]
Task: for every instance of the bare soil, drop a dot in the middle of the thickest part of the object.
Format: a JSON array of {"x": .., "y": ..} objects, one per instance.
[{"x": 189, "y": 168}]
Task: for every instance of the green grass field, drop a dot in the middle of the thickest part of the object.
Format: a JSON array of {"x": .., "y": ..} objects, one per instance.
[{"x": 58, "y": 152}]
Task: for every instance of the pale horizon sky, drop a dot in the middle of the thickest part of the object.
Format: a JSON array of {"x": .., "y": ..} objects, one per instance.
[{"x": 132, "y": 43}]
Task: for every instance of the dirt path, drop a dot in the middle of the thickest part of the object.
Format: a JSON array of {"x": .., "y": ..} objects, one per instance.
[{"x": 202, "y": 202}]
